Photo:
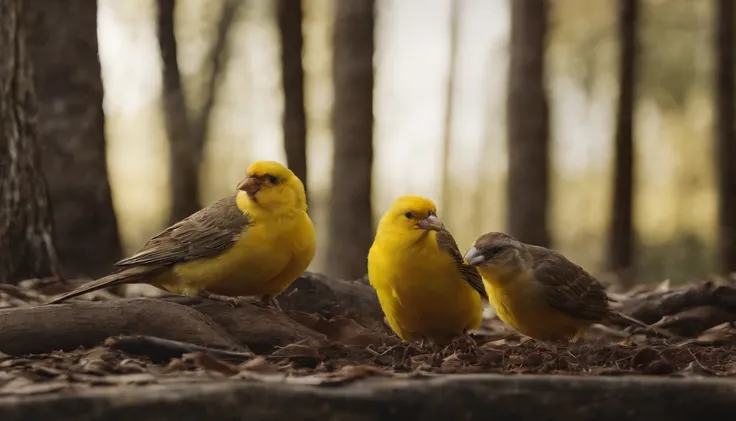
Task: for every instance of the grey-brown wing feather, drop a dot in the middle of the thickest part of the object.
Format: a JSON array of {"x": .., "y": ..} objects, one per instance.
[
  {"x": 447, "y": 243},
  {"x": 568, "y": 287},
  {"x": 206, "y": 233}
]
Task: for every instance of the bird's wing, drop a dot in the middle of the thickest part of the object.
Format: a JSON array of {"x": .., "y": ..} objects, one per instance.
[
  {"x": 206, "y": 233},
  {"x": 447, "y": 244},
  {"x": 568, "y": 287}
]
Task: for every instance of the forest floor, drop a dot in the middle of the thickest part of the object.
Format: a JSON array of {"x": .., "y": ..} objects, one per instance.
[{"x": 96, "y": 344}]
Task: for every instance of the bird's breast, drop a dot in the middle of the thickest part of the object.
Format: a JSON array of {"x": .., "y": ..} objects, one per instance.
[
  {"x": 259, "y": 262},
  {"x": 421, "y": 292},
  {"x": 522, "y": 305}
]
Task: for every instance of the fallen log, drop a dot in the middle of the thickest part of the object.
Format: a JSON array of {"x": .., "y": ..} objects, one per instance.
[
  {"x": 652, "y": 307},
  {"x": 29, "y": 330},
  {"x": 316, "y": 293},
  {"x": 81, "y": 323}
]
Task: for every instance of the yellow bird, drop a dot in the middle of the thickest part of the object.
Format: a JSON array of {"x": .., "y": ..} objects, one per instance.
[
  {"x": 423, "y": 286},
  {"x": 255, "y": 243},
  {"x": 538, "y": 291}
]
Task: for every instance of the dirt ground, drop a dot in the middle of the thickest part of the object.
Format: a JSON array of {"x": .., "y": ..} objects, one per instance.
[{"x": 699, "y": 341}]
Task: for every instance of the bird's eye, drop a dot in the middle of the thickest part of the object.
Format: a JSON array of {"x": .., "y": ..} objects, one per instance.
[
  {"x": 409, "y": 215},
  {"x": 494, "y": 251},
  {"x": 272, "y": 179}
]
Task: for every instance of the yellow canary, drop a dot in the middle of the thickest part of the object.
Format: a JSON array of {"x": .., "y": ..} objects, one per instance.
[
  {"x": 423, "y": 286},
  {"x": 538, "y": 291},
  {"x": 255, "y": 243}
]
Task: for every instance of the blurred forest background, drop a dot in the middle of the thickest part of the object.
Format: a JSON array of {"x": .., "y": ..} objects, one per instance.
[{"x": 603, "y": 129}]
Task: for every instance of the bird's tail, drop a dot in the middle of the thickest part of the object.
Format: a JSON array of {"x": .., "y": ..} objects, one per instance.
[
  {"x": 618, "y": 317},
  {"x": 127, "y": 276}
]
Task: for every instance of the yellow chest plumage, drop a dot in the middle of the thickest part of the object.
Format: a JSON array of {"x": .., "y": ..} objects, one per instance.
[
  {"x": 421, "y": 290},
  {"x": 270, "y": 254},
  {"x": 521, "y": 304}
]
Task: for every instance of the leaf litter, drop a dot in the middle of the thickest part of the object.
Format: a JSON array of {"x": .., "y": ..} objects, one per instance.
[{"x": 699, "y": 316}]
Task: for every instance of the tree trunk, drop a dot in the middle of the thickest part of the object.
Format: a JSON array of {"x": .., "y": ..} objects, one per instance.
[
  {"x": 183, "y": 152},
  {"x": 186, "y": 130},
  {"x": 292, "y": 74},
  {"x": 725, "y": 136},
  {"x": 62, "y": 38},
  {"x": 528, "y": 124},
  {"x": 351, "y": 228},
  {"x": 621, "y": 234},
  {"x": 26, "y": 236},
  {"x": 449, "y": 108}
]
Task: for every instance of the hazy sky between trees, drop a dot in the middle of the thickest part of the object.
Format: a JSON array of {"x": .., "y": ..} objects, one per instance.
[{"x": 675, "y": 185}]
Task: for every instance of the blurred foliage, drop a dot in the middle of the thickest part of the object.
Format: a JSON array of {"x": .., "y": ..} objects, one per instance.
[
  {"x": 674, "y": 40},
  {"x": 675, "y": 192}
]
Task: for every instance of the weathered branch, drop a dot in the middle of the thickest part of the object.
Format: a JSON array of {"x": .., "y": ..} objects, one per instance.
[
  {"x": 651, "y": 308},
  {"x": 165, "y": 349},
  {"x": 192, "y": 320},
  {"x": 316, "y": 293},
  {"x": 206, "y": 323}
]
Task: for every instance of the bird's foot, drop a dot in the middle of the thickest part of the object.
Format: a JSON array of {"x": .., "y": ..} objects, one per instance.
[
  {"x": 422, "y": 344},
  {"x": 399, "y": 353},
  {"x": 464, "y": 343},
  {"x": 268, "y": 301},
  {"x": 548, "y": 345},
  {"x": 233, "y": 301},
  {"x": 401, "y": 356}
]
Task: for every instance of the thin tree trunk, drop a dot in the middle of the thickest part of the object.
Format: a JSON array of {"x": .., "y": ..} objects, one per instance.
[
  {"x": 351, "y": 228},
  {"x": 26, "y": 235},
  {"x": 292, "y": 77},
  {"x": 528, "y": 124},
  {"x": 187, "y": 130},
  {"x": 449, "y": 107},
  {"x": 481, "y": 213},
  {"x": 725, "y": 136},
  {"x": 621, "y": 234},
  {"x": 62, "y": 39},
  {"x": 183, "y": 152}
]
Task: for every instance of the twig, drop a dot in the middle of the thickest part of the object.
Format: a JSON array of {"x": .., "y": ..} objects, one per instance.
[{"x": 166, "y": 349}]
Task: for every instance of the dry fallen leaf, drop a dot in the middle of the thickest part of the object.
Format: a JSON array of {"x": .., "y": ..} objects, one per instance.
[
  {"x": 259, "y": 364},
  {"x": 209, "y": 362},
  {"x": 340, "y": 329},
  {"x": 300, "y": 354}
]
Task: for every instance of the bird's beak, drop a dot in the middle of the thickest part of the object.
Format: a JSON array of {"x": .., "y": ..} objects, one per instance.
[
  {"x": 474, "y": 257},
  {"x": 431, "y": 223},
  {"x": 250, "y": 185}
]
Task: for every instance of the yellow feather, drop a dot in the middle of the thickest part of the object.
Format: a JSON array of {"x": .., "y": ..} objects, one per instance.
[
  {"x": 419, "y": 286},
  {"x": 520, "y": 303}
]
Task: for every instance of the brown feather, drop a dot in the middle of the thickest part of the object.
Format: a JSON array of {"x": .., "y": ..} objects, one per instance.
[
  {"x": 128, "y": 276},
  {"x": 206, "y": 233},
  {"x": 568, "y": 287},
  {"x": 447, "y": 243}
]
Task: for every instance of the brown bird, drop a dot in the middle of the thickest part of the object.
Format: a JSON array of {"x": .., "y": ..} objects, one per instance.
[{"x": 538, "y": 292}]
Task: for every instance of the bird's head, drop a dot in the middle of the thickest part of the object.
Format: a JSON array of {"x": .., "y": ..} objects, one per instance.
[
  {"x": 413, "y": 214},
  {"x": 497, "y": 252},
  {"x": 271, "y": 186}
]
